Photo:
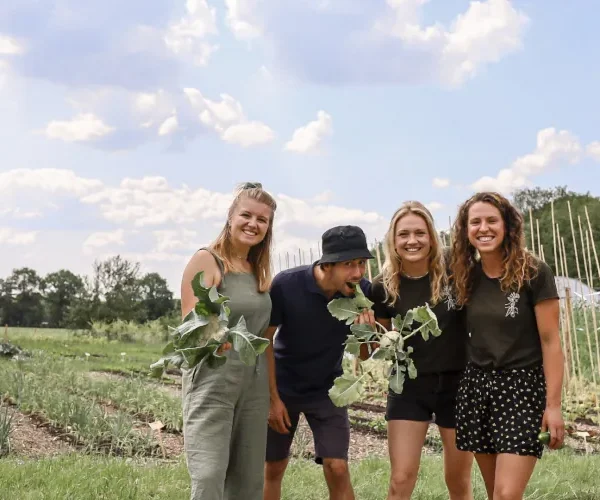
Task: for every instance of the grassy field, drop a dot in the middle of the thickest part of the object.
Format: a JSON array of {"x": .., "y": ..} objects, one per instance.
[
  {"x": 559, "y": 476},
  {"x": 94, "y": 394}
]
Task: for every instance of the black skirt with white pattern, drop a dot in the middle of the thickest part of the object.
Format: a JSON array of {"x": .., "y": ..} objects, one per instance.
[{"x": 501, "y": 411}]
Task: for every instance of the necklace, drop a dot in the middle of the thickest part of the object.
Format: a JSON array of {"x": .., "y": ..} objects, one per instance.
[{"x": 415, "y": 277}]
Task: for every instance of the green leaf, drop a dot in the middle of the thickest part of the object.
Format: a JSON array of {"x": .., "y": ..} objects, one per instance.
[
  {"x": 412, "y": 370},
  {"x": 346, "y": 390},
  {"x": 352, "y": 345},
  {"x": 397, "y": 380},
  {"x": 361, "y": 301},
  {"x": 429, "y": 321},
  {"x": 344, "y": 309},
  {"x": 248, "y": 345},
  {"x": 383, "y": 353},
  {"x": 401, "y": 324},
  {"x": 191, "y": 323},
  {"x": 157, "y": 369},
  {"x": 364, "y": 331}
]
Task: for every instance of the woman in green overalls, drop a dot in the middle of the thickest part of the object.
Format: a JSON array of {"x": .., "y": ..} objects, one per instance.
[{"x": 225, "y": 409}]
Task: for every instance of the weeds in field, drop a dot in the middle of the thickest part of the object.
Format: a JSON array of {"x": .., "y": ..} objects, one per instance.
[{"x": 5, "y": 431}]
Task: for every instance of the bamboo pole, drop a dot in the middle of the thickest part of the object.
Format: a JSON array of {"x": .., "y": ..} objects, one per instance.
[
  {"x": 378, "y": 255},
  {"x": 564, "y": 318},
  {"x": 531, "y": 229},
  {"x": 554, "y": 240},
  {"x": 287, "y": 260},
  {"x": 587, "y": 216},
  {"x": 593, "y": 301},
  {"x": 585, "y": 304},
  {"x": 575, "y": 251},
  {"x": 279, "y": 254},
  {"x": 539, "y": 241},
  {"x": 569, "y": 312}
]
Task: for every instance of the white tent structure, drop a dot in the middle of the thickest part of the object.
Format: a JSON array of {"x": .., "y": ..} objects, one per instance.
[{"x": 579, "y": 291}]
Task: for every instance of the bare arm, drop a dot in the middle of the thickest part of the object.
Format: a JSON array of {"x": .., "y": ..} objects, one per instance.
[
  {"x": 200, "y": 261},
  {"x": 273, "y": 392},
  {"x": 547, "y": 315}
]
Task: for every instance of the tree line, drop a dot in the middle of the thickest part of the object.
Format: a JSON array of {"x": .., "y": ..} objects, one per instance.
[
  {"x": 62, "y": 299},
  {"x": 116, "y": 288}
]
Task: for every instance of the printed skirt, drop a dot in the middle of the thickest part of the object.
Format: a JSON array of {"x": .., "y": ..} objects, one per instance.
[{"x": 501, "y": 411}]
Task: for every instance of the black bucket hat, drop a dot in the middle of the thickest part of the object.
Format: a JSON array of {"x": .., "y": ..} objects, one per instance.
[{"x": 343, "y": 243}]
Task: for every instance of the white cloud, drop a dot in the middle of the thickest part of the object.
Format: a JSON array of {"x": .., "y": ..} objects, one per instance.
[
  {"x": 13, "y": 237},
  {"x": 103, "y": 239},
  {"x": 554, "y": 148},
  {"x": 486, "y": 32},
  {"x": 248, "y": 134},
  {"x": 170, "y": 240},
  {"x": 434, "y": 206},
  {"x": 51, "y": 180},
  {"x": 82, "y": 128},
  {"x": 593, "y": 150},
  {"x": 308, "y": 139},
  {"x": 9, "y": 46},
  {"x": 324, "y": 197},
  {"x": 242, "y": 18},
  {"x": 226, "y": 117},
  {"x": 169, "y": 126},
  {"x": 187, "y": 36},
  {"x": 440, "y": 183},
  {"x": 18, "y": 213}
]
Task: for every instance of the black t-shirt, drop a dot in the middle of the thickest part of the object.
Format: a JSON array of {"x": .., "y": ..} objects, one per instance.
[
  {"x": 438, "y": 354},
  {"x": 502, "y": 327},
  {"x": 309, "y": 346}
]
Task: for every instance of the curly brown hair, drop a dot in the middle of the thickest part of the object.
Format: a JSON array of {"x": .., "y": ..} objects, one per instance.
[{"x": 519, "y": 266}]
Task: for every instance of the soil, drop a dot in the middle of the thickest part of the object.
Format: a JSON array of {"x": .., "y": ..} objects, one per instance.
[{"x": 30, "y": 438}]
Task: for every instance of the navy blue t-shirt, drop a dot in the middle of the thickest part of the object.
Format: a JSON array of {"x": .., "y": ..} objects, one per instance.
[{"x": 309, "y": 346}]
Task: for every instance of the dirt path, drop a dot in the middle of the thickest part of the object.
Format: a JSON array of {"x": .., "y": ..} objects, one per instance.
[{"x": 29, "y": 439}]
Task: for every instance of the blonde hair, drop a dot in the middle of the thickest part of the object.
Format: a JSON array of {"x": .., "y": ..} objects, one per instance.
[
  {"x": 392, "y": 266},
  {"x": 259, "y": 255},
  {"x": 518, "y": 265}
]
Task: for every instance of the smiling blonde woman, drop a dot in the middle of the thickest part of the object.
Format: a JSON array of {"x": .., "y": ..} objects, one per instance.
[{"x": 414, "y": 273}]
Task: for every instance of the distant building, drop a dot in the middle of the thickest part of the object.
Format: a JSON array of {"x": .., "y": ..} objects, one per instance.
[{"x": 579, "y": 291}]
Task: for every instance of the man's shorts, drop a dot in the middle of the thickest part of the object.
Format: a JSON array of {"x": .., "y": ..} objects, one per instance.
[
  {"x": 329, "y": 424},
  {"x": 427, "y": 398}
]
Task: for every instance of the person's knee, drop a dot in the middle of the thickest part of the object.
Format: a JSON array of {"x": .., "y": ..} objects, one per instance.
[
  {"x": 459, "y": 485},
  {"x": 507, "y": 491},
  {"x": 338, "y": 468},
  {"x": 274, "y": 471},
  {"x": 403, "y": 482}
]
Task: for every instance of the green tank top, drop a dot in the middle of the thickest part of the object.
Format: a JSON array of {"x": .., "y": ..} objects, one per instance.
[{"x": 244, "y": 299}]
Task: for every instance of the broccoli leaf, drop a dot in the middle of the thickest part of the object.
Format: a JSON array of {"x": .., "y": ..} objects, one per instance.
[
  {"x": 248, "y": 345},
  {"x": 364, "y": 331},
  {"x": 346, "y": 390},
  {"x": 397, "y": 380},
  {"x": 344, "y": 309},
  {"x": 352, "y": 345},
  {"x": 427, "y": 317}
]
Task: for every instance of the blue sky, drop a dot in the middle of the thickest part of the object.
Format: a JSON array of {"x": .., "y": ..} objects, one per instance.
[{"x": 127, "y": 125}]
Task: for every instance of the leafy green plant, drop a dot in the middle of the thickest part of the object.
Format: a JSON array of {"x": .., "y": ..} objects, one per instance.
[
  {"x": 205, "y": 330},
  {"x": 5, "y": 431},
  {"x": 382, "y": 344}
]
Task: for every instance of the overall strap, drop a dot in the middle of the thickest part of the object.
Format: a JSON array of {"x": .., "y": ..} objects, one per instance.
[{"x": 218, "y": 259}]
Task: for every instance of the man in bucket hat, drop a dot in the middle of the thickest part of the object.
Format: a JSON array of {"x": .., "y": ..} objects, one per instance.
[{"x": 306, "y": 356}]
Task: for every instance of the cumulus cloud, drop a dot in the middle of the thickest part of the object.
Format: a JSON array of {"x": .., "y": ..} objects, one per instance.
[
  {"x": 383, "y": 42},
  {"x": 187, "y": 36},
  {"x": 593, "y": 150},
  {"x": 308, "y": 139},
  {"x": 434, "y": 206},
  {"x": 81, "y": 128},
  {"x": 242, "y": 18},
  {"x": 553, "y": 149},
  {"x": 440, "y": 183},
  {"x": 102, "y": 239},
  {"x": 53, "y": 180},
  {"x": 9, "y": 46},
  {"x": 11, "y": 236}
]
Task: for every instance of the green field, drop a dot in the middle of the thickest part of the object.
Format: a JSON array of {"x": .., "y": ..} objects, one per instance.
[{"x": 94, "y": 394}]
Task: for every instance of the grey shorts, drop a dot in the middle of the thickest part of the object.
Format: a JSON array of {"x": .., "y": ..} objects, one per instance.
[{"x": 329, "y": 424}]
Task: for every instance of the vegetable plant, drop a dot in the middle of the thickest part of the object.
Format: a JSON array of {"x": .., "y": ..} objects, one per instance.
[
  {"x": 199, "y": 338},
  {"x": 384, "y": 345}
]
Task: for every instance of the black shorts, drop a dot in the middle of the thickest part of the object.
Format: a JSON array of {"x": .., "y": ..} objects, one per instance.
[
  {"x": 427, "y": 398},
  {"x": 329, "y": 424},
  {"x": 501, "y": 411}
]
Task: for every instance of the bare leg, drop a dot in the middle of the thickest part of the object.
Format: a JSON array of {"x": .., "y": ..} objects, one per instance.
[
  {"x": 487, "y": 466},
  {"x": 457, "y": 467},
  {"x": 512, "y": 475},
  {"x": 337, "y": 476},
  {"x": 405, "y": 442},
  {"x": 274, "y": 472}
]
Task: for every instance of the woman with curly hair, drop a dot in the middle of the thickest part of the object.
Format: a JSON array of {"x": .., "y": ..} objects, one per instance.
[
  {"x": 414, "y": 273},
  {"x": 512, "y": 385}
]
